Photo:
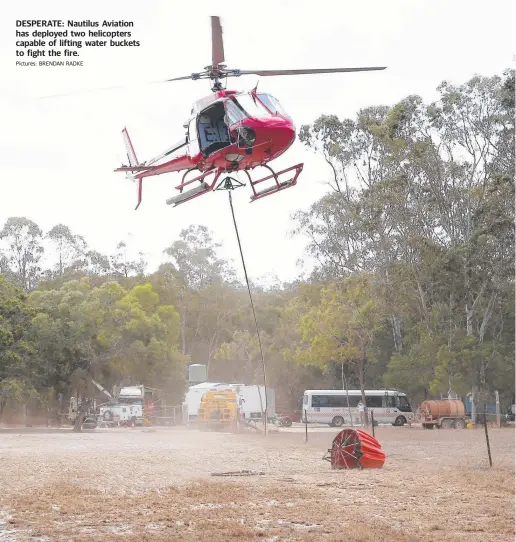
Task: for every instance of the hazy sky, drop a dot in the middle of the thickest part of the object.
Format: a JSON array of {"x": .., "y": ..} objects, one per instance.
[{"x": 58, "y": 155}]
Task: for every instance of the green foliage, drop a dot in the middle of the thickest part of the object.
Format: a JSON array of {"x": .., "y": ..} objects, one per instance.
[
  {"x": 15, "y": 318},
  {"x": 343, "y": 326},
  {"x": 412, "y": 287},
  {"x": 22, "y": 240},
  {"x": 431, "y": 215}
]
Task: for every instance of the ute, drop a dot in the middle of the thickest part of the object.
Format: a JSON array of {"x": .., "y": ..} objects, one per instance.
[{"x": 218, "y": 411}]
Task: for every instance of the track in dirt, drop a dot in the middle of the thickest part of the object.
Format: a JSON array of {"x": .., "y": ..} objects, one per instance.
[{"x": 157, "y": 485}]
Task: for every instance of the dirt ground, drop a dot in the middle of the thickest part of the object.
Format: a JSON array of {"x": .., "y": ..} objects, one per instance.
[{"x": 143, "y": 484}]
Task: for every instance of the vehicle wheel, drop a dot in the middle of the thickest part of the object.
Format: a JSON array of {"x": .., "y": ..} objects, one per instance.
[
  {"x": 108, "y": 415},
  {"x": 447, "y": 424},
  {"x": 399, "y": 421},
  {"x": 460, "y": 424},
  {"x": 428, "y": 426},
  {"x": 286, "y": 422},
  {"x": 89, "y": 423},
  {"x": 338, "y": 421}
]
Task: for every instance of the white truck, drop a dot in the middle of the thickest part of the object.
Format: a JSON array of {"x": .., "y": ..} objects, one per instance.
[
  {"x": 251, "y": 400},
  {"x": 126, "y": 409}
]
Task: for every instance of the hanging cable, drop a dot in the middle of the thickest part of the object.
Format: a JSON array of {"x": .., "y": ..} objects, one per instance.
[{"x": 252, "y": 306}]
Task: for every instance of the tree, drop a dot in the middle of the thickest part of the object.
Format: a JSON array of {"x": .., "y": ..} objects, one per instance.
[
  {"x": 197, "y": 273},
  {"x": 97, "y": 263},
  {"x": 15, "y": 348},
  {"x": 123, "y": 335},
  {"x": 123, "y": 265},
  {"x": 422, "y": 198},
  {"x": 22, "y": 240},
  {"x": 70, "y": 249},
  {"x": 195, "y": 257},
  {"x": 343, "y": 327},
  {"x": 284, "y": 371}
]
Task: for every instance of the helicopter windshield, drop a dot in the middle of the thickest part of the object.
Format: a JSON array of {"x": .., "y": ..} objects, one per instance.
[
  {"x": 244, "y": 107},
  {"x": 272, "y": 104}
]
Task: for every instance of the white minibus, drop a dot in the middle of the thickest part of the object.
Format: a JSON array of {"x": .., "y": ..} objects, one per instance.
[{"x": 338, "y": 407}]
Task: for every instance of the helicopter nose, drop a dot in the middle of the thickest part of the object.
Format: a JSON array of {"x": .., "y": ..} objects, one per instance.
[
  {"x": 280, "y": 132},
  {"x": 286, "y": 134}
]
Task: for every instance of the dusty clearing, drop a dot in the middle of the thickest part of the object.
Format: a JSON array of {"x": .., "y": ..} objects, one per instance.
[{"x": 133, "y": 484}]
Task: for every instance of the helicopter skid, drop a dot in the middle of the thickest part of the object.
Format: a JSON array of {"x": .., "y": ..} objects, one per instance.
[
  {"x": 278, "y": 185},
  {"x": 199, "y": 190}
]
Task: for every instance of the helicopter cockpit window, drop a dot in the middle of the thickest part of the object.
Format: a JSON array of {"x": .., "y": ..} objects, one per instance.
[
  {"x": 244, "y": 106},
  {"x": 235, "y": 114},
  {"x": 272, "y": 104}
]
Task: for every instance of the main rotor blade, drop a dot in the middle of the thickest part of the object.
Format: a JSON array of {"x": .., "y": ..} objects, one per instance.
[
  {"x": 266, "y": 73},
  {"x": 192, "y": 76},
  {"x": 217, "y": 46}
]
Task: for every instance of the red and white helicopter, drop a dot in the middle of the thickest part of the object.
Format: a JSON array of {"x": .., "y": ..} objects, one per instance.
[{"x": 228, "y": 131}]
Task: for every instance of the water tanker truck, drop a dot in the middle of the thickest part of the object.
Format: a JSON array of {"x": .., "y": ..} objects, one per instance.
[
  {"x": 443, "y": 413},
  {"x": 219, "y": 410}
]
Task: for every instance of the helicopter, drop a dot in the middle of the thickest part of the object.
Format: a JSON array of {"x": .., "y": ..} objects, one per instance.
[{"x": 228, "y": 131}]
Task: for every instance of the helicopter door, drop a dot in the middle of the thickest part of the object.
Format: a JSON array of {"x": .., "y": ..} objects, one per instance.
[
  {"x": 193, "y": 140},
  {"x": 213, "y": 130}
]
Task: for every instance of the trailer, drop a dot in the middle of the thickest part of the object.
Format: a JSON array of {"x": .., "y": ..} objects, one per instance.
[
  {"x": 443, "y": 413},
  {"x": 253, "y": 405}
]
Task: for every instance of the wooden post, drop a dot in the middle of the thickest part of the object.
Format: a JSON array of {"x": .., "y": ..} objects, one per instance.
[
  {"x": 306, "y": 427},
  {"x": 487, "y": 437},
  {"x": 498, "y": 418},
  {"x": 372, "y": 421}
]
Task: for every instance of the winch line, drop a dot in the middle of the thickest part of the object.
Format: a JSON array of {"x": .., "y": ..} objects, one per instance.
[{"x": 252, "y": 305}]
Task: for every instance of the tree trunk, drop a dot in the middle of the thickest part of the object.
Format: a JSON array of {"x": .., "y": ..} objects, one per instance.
[
  {"x": 474, "y": 395},
  {"x": 81, "y": 414},
  {"x": 469, "y": 321},
  {"x": 361, "y": 377},
  {"x": 396, "y": 332},
  {"x": 424, "y": 308},
  {"x": 77, "y": 428}
]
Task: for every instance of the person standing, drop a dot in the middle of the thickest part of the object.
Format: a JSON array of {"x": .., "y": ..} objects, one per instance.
[{"x": 361, "y": 412}]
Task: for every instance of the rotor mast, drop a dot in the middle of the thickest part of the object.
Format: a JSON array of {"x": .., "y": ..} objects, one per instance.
[{"x": 217, "y": 54}]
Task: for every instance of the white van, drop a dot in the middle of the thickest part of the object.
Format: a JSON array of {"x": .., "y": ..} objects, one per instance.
[{"x": 338, "y": 407}]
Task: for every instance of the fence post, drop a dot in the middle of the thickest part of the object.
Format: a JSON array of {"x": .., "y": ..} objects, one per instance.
[
  {"x": 372, "y": 421},
  {"x": 498, "y": 419},
  {"x": 306, "y": 427},
  {"x": 487, "y": 437}
]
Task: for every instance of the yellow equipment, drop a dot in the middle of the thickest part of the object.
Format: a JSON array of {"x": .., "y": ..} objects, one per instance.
[{"x": 218, "y": 411}]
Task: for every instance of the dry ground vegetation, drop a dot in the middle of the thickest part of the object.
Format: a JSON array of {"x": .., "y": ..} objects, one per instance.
[{"x": 136, "y": 484}]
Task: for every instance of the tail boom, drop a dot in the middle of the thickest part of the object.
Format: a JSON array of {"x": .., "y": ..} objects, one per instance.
[{"x": 136, "y": 171}]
